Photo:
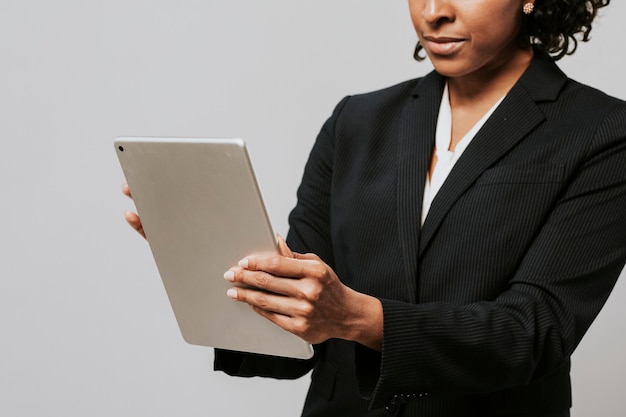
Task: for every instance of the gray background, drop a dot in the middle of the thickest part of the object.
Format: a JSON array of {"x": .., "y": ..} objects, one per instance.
[{"x": 86, "y": 328}]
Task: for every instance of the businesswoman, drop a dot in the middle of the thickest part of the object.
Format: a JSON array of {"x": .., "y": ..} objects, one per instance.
[{"x": 455, "y": 235}]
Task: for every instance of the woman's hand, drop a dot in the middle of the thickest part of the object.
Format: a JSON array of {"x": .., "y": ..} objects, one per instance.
[
  {"x": 131, "y": 217},
  {"x": 303, "y": 295}
]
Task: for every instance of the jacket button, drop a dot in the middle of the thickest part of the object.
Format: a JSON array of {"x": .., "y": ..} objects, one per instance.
[
  {"x": 395, "y": 402},
  {"x": 400, "y": 399}
]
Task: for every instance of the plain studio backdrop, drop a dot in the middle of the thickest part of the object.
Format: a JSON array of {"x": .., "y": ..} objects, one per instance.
[{"x": 86, "y": 327}]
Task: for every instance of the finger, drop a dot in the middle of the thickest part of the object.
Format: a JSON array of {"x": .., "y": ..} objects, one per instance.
[
  {"x": 283, "y": 249},
  {"x": 126, "y": 190},
  {"x": 262, "y": 280},
  {"x": 275, "y": 318},
  {"x": 283, "y": 266},
  {"x": 135, "y": 222},
  {"x": 309, "y": 256},
  {"x": 266, "y": 301},
  {"x": 295, "y": 325},
  {"x": 285, "y": 322}
]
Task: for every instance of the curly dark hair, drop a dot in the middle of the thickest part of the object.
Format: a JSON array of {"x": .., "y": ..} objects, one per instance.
[{"x": 554, "y": 26}]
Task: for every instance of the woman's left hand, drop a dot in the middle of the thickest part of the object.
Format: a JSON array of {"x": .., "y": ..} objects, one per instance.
[{"x": 304, "y": 296}]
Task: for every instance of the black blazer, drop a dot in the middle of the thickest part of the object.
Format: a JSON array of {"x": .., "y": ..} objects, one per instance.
[{"x": 483, "y": 305}]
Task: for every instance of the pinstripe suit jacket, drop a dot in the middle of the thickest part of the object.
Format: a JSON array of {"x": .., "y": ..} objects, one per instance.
[{"x": 485, "y": 303}]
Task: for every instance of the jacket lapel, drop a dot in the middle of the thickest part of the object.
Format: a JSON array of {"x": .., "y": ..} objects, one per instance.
[
  {"x": 517, "y": 115},
  {"x": 415, "y": 146}
]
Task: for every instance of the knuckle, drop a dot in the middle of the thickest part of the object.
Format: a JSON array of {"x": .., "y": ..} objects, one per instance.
[
  {"x": 306, "y": 310},
  {"x": 302, "y": 293},
  {"x": 262, "y": 301},
  {"x": 274, "y": 262},
  {"x": 260, "y": 280},
  {"x": 301, "y": 327},
  {"x": 311, "y": 293},
  {"x": 320, "y": 272}
]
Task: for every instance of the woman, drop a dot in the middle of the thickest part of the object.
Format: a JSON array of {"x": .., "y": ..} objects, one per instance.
[{"x": 454, "y": 235}]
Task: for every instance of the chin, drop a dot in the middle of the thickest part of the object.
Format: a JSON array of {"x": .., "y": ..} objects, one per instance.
[{"x": 450, "y": 69}]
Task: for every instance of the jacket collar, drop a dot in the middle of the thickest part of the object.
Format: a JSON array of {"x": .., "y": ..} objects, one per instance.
[{"x": 516, "y": 117}]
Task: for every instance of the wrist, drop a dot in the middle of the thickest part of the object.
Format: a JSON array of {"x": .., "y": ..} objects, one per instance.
[{"x": 365, "y": 325}]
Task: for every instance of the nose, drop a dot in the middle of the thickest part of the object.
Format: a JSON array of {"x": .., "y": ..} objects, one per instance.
[{"x": 436, "y": 12}]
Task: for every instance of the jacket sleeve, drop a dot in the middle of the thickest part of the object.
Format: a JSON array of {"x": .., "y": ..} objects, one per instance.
[
  {"x": 250, "y": 364},
  {"x": 531, "y": 328}
]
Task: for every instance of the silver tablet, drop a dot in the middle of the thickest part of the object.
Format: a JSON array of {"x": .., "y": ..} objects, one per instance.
[{"x": 202, "y": 211}]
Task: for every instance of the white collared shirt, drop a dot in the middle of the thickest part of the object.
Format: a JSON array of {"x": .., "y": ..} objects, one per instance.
[{"x": 446, "y": 158}]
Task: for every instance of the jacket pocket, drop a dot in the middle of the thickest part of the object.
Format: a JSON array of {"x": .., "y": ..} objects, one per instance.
[{"x": 523, "y": 174}]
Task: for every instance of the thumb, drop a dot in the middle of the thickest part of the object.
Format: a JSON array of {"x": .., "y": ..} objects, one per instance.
[{"x": 283, "y": 249}]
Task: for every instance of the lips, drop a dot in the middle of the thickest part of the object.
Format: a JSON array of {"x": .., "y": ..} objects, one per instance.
[{"x": 443, "y": 45}]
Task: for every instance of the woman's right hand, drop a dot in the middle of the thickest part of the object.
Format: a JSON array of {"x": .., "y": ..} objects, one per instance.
[{"x": 131, "y": 217}]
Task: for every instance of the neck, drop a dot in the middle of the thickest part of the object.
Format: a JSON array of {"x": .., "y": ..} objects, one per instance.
[{"x": 489, "y": 84}]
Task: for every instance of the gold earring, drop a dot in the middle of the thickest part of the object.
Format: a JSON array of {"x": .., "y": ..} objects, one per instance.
[{"x": 528, "y": 8}]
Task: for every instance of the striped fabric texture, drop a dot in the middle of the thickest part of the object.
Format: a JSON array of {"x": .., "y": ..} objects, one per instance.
[{"x": 486, "y": 302}]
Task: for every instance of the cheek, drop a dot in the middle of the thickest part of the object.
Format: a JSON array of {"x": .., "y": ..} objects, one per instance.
[
  {"x": 415, "y": 16},
  {"x": 497, "y": 31},
  {"x": 489, "y": 13},
  {"x": 505, "y": 19},
  {"x": 416, "y": 11}
]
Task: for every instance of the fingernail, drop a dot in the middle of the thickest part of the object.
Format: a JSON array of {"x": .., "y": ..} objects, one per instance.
[
  {"x": 232, "y": 293},
  {"x": 229, "y": 276},
  {"x": 243, "y": 263}
]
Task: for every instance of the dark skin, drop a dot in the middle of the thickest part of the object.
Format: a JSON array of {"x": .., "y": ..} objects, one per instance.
[
  {"x": 132, "y": 218},
  {"x": 475, "y": 45}
]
